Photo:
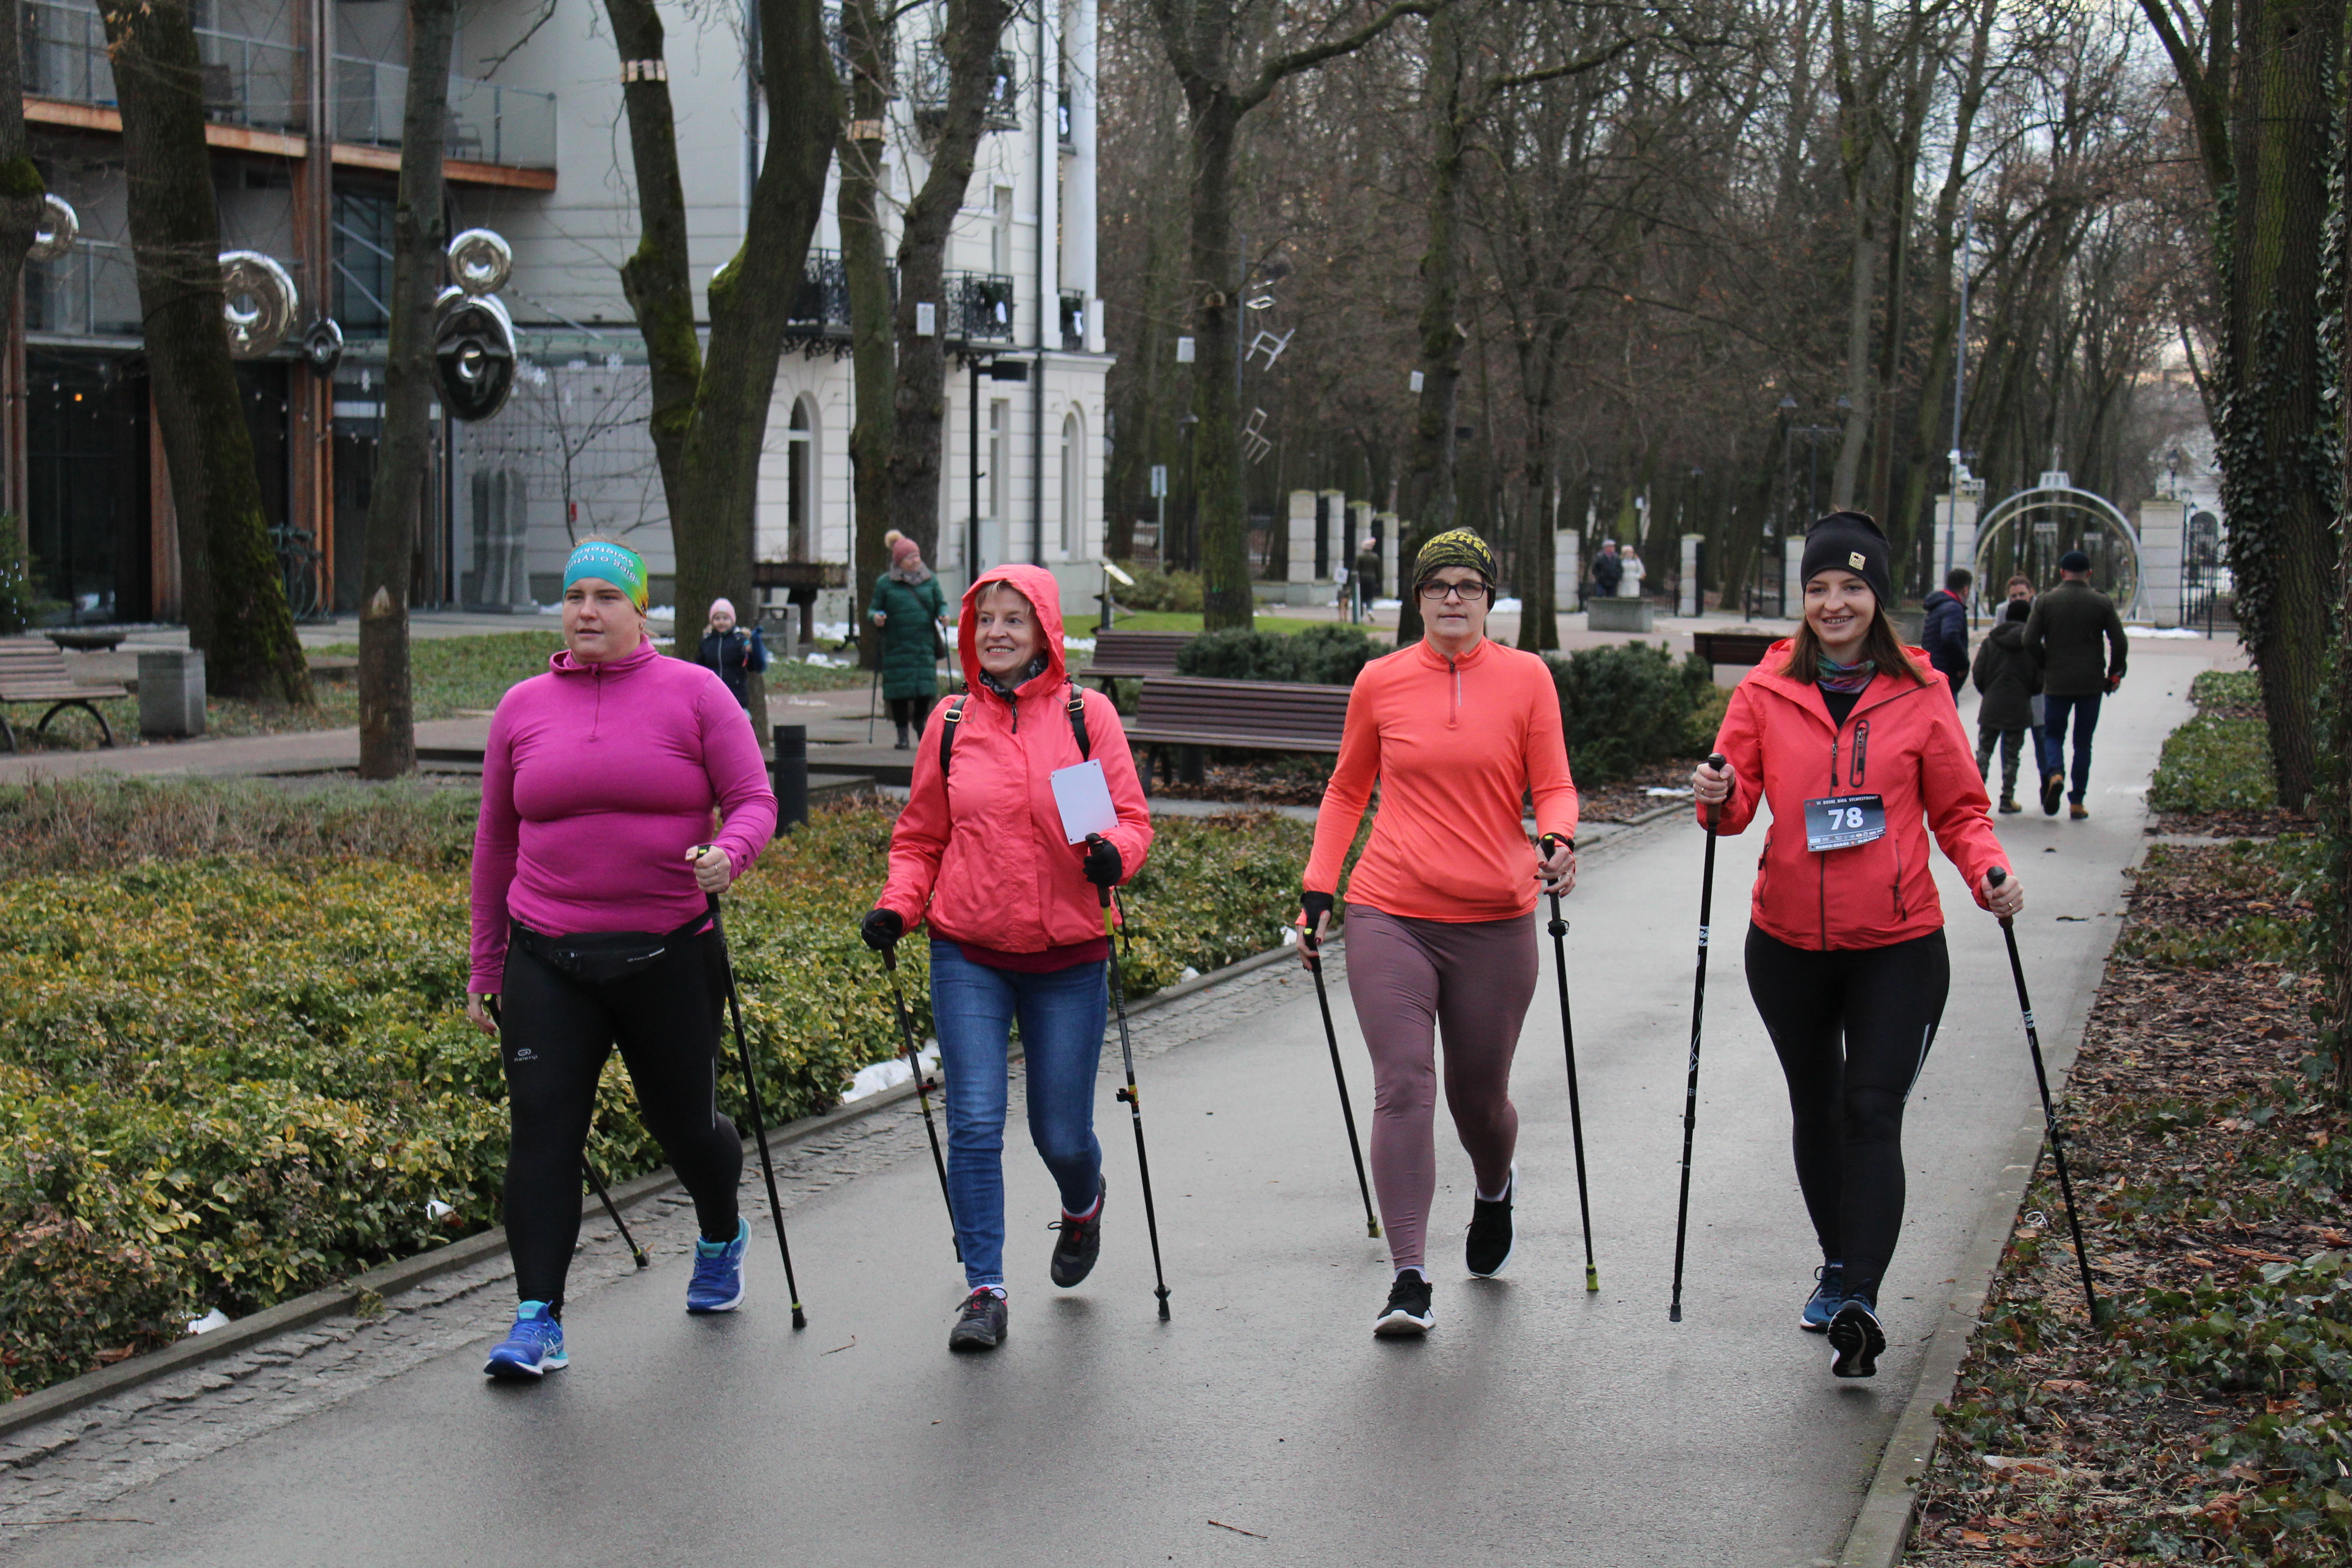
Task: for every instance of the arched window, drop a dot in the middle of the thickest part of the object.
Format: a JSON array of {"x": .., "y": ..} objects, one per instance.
[
  {"x": 1074, "y": 485},
  {"x": 800, "y": 483}
]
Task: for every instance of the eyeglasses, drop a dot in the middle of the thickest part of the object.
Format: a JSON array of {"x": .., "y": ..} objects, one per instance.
[{"x": 1468, "y": 592}]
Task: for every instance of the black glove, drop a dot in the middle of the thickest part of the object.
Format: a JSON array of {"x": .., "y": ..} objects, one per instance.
[
  {"x": 881, "y": 929},
  {"x": 1103, "y": 867},
  {"x": 1313, "y": 907}
]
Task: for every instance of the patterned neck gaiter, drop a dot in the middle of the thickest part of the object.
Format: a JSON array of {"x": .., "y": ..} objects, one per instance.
[{"x": 1835, "y": 677}]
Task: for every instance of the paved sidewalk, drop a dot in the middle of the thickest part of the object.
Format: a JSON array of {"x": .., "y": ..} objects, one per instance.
[{"x": 1536, "y": 1424}]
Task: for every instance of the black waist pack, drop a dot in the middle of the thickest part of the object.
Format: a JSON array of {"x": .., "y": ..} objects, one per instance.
[{"x": 599, "y": 957}]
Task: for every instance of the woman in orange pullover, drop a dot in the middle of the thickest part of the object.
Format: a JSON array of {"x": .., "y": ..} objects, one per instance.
[{"x": 1441, "y": 929}]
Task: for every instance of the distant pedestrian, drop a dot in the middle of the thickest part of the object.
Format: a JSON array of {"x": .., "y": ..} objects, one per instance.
[
  {"x": 2064, "y": 632},
  {"x": 593, "y": 929},
  {"x": 1945, "y": 635},
  {"x": 2020, "y": 591},
  {"x": 1846, "y": 959},
  {"x": 1456, "y": 730},
  {"x": 908, "y": 607},
  {"x": 734, "y": 654},
  {"x": 2008, "y": 678},
  {"x": 1016, "y": 925},
  {"x": 1608, "y": 571},
  {"x": 1368, "y": 570},
  {"x": 1629, "y": 581}
]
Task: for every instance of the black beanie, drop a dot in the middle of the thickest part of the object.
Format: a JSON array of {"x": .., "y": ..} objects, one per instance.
[{"x": 1849, "y": 541}]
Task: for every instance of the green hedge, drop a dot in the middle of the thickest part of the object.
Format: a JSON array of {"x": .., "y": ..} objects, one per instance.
[
  {"x": 1325, "y": 653},
  {"x": 2220, "y": 759},
  {"x": 229, "y": 1078},
  {"x": 1627, "y": 705}
]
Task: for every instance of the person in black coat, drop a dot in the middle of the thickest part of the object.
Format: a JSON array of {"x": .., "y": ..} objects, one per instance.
[
  {"x": 737, "y": 655},
  {"x": 2008, "y": 673},
  {"x": 1945, "y": 633}
]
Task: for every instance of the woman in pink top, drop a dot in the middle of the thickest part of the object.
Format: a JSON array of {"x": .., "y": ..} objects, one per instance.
[
  {"x": 592, "y": 925},
  {"x": 1441, "y": 931}
]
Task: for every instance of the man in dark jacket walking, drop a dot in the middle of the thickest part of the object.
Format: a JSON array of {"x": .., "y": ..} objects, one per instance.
[
  {"x": 2008, "y": 677},
  {"x": 1946, "y": 634},
  {"x": 1607, "y": 570},
  {"x": 2064, "y": 632}
]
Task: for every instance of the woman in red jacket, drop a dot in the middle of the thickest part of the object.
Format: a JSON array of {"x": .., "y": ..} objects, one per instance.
[
  {"x": 1853, "y": 741},
  {"x": 1016, "y": 922},
  {"x": 1457, "y": 731}
]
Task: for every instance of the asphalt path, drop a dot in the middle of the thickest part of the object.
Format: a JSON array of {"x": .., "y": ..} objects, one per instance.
[{"x": 1262, "y": 1424}]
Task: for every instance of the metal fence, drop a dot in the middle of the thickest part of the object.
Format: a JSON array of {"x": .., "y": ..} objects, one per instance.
[
  {"x": 980, "y": 307},
  {"x": 489, "y": 122}
]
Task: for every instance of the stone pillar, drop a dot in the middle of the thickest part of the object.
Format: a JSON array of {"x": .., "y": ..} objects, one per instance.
[
  {"x": 1792, "y": 584},
  {"x": 1302, "y": 537},
  {"x": 1391, "y": 546},
  {"x": 2163, "y": 538},
  {"x": 1567, "y": 571},
  {"x": 1957, "y": 514},
  {"x": 170, "y": 691},
  {"x": 1689, "y": 593}
]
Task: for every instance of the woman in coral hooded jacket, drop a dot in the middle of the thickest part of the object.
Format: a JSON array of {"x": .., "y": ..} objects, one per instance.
[
  {"x": 1017, "y": 925},
  {"x": 1853, "y": 741}
]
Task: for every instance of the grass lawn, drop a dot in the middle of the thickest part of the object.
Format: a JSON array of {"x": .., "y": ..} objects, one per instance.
[{"x": 1188, "y": 621}]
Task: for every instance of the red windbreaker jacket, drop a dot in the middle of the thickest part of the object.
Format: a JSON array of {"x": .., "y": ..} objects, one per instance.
[
  {"x": 1903, "y": 743},
  {"x": 979, "y": 851}
]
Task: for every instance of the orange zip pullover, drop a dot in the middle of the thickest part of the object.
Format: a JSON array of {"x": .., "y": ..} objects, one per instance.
[{"x": 1454, "y": 745}]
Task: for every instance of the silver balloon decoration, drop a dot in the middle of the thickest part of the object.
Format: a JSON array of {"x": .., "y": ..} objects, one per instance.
[
  {"x": 322, "y": 346},
  {"x": 258, "y": 300},
  {"x": 481, "y": 261},
  {"x": 473, "y": 353},
  {"x": 57, "y": 231}
]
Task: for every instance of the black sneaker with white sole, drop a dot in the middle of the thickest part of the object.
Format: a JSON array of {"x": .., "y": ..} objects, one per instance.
[
  {"x": 1408, "y": 1310},
  {"x": 1488, "y": 1250},
  {"x": 1856, "y": 1341},
  {"x": 1080, "y": 1243},
  {"x": 983, "y": 1325}
]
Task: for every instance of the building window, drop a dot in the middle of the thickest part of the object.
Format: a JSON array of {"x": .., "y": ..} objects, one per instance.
[
  {"x": 999, "y": 233},
  {"x": 362, "y": 261},
  {"x": 1000, "y": 419},
  {"x": 800, "y": 483},
  {"x": 1074, "y": 485}
]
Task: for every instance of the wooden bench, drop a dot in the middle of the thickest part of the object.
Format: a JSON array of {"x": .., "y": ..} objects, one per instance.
[
  {"x": 1746, "y": 648},
  {"x": 1135, "y": 655},
  {"x": 1179, "y": 711},
  {"x": 32, "y": 670}
]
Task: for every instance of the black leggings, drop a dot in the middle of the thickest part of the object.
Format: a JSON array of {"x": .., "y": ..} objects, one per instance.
[
  {"x": 554, "y": 1035},
  {"x": 907, "y": 713},
  {"x": 1851, "y": 1027}
]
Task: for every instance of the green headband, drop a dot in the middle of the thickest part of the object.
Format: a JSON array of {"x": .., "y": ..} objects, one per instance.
[
  {"x": 1456, "y": 547},
  {"x": 615, "y": 563}
]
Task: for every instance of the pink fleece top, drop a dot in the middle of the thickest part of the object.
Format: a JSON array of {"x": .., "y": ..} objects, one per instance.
[{"x": 596, "y": 780}]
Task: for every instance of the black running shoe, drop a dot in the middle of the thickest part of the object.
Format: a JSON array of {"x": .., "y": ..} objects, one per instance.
[
  {"x": 1080, "y": 1243},
  {"x": 1490, "y": 1246},
  {"x": 983, "y": 1325},
  {"x": 1408, "y": 1310},
  {"x": 1856, "y": 1341},
  {"x": 2053, "y": 790}
]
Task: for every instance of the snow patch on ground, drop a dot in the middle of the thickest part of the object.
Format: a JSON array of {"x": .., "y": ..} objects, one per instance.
[{"x": 873, "y": 1080}]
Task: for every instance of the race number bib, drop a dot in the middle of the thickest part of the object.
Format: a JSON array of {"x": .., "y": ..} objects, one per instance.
[{"x": 1843, "y": 821}]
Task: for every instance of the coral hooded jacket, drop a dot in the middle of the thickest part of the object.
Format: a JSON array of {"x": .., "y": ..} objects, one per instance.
[
  {"x": 980, "y": 852},
  {"x": 1903, "y": 743}
]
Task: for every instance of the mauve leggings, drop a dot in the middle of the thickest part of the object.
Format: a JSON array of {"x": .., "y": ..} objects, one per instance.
[{"x": 1409, "y": 978}]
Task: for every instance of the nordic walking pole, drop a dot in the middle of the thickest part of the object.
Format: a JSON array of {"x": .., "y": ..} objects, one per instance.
[
  {"x": 594, "y": 1180},
  {"x": 873, "y": 701},
  {"x": 1134, "y": 1098},
  {"x": 752, "y": 1094},
  {"x": 597, "y": 1182},
  {"x": 1698, "y": 1009},
  {"x": 1314, "y": 946},
  {"x": 1559, "y": 928},
  {"x": 922, "y": 1090},
  {"x": 2049, "y": 1128}
]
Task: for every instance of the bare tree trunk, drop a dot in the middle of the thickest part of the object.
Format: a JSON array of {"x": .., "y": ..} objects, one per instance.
[
  {"x": 233, "y": 596},
  {"x": 873, "y": 353},
  {"x": 404, "y": 461},
  {"x": 970, "y": 42},
  {"x": 1432, "y": 469}
]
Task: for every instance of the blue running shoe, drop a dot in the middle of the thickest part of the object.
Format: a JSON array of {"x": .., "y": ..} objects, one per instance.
[
  {"x": 533, "y": 1350},
  {"x": 1828, "y": 1297},
  {"x": 717, "y": 1282}
]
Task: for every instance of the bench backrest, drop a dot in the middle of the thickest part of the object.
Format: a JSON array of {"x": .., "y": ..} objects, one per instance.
[
  {"x": 1733, "y": 647},
  {"x": 1145, "y": 653},
  {"x": 33, "y": 659},
  {"x": 1274, "y": 708}
]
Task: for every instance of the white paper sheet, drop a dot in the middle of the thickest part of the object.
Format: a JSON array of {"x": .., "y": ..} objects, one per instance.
[{"x": 1083, "y": 796}]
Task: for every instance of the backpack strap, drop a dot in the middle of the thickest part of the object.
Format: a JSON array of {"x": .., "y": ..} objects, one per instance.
[
  {"x": 948, "y": 732},
  {"x": 1079, "y": 721}
]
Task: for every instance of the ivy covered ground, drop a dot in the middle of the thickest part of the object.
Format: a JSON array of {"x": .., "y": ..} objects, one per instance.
[
  {"x": 2207, "y": 1420},
  {"x": 233, "y": 1063}
]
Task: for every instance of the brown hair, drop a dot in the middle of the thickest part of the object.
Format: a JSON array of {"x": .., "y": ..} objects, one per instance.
[
  {"x": 989, "y": 590},
  {"x": 1882, "y": 645}
]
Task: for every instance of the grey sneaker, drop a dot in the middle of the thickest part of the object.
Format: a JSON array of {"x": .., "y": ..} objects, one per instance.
[
  {"x": 983, "y": 1325},
  {"x": 1080, "y": 1243}
]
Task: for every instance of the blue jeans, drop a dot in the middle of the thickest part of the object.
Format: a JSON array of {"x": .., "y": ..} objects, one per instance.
[
  {"x": 1062, "y": 1016},
  {"x": 2085, "y": 712}
]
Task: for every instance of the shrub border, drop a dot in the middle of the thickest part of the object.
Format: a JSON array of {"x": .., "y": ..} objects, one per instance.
[
  {"x": 391, "y": 1279},
  {"x": 1882, "y": 1528}
]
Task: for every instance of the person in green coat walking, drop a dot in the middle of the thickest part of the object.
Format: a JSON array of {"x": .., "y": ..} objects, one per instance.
[{"x": 908, "y": 607}]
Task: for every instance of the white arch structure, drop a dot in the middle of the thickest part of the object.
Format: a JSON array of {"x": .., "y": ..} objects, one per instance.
[{"x": 2120, "y": 567}]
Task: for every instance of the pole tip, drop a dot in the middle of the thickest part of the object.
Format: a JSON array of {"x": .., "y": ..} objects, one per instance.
[
  {"x": 643, "y": 1261},
  {"x": 799, "y": 1318},
  {"x": 1373, "y": 1228},
  {"x": 1591, "y": 1278},
  {"x": 1674, "y": 1314},
  {"x": 1162, "y": 1294}
]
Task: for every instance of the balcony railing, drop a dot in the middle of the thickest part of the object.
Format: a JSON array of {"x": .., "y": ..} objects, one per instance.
[
  {"x": 91, "y": 290},
  {"x": 821, "y": 304},
  {"x": 260, "y": 82},
  {"x": 980, "y": 307},
  {"x": 489, "y": 122},
  {"x": 929, "y": 90}
]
